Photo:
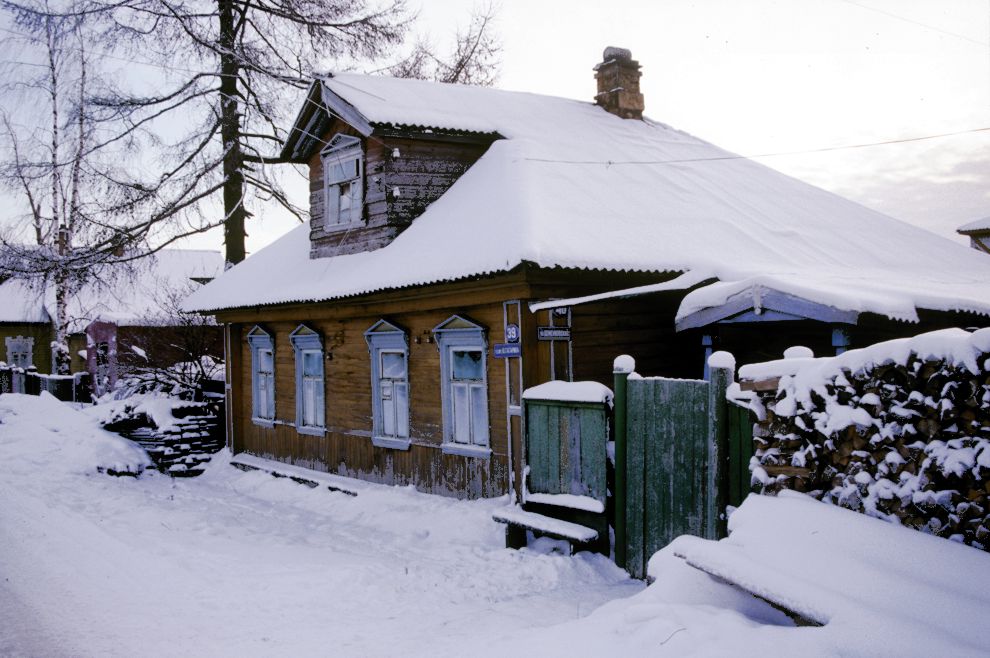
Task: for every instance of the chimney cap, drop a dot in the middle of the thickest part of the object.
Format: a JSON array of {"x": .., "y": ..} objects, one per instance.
[{"x": 613, "y": 52}]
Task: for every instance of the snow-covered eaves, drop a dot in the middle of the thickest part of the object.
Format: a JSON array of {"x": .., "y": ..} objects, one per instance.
[
  {"x": 144, "y": 291},
  {"x": 572, "y": 186},
  {"x": 977, "y": 226},
  {"x": 681, "y": 282}
]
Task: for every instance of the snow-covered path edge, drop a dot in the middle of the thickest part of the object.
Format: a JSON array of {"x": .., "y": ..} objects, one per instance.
[{"x": 244, "y": 564}]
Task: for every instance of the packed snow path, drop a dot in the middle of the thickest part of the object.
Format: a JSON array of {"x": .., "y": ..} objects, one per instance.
[{"x": 245, "y": 564}]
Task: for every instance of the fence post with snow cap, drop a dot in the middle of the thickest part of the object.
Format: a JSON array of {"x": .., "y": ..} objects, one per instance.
[
  {"x": 622, "y": 367},
  {"x": 721, "y": 369}
]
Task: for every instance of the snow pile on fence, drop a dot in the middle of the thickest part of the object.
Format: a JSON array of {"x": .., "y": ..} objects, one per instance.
[
  {"x": 899, "y": 430},
  {"x": 35, "y": 440}
]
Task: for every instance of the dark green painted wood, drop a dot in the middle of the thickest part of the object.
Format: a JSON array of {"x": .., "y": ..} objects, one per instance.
[
  {"x": 620, "y": 386},
  {"x": 717, "y": 463},
  {"x": 677, "y": 459},
  {"x": 566, "y": 448},
  {"x": 636, "y": 430},
  {"x": 740, "y": 452}
]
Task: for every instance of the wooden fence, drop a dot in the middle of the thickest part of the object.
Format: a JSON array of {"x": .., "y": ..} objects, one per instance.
[
  {"x": 681, "y": 456},
  {"x": 682, "y": 453}
]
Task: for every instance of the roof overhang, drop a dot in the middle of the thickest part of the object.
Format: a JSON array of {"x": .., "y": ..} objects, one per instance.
[
  {"x": 761, "y": 304},
  {"x": 314, "y": 117}
]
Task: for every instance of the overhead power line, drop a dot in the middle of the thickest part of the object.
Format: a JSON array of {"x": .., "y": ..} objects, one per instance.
[
  {"x": 918, "y": 23},
  {"x": 760, "y": 155}
]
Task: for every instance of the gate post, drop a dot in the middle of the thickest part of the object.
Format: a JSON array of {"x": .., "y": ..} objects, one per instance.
[
  {"x": 622, "y": 367},
  {"x": 722, "y": 367}
]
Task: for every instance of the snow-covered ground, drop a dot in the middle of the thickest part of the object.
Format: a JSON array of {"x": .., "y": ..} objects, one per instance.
[{"x": 243, "y": 564}]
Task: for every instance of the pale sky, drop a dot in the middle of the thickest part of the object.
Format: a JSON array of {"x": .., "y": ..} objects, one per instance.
[
  {"x": 779, "y": 76},
  {"x": 776, "y": 76}
]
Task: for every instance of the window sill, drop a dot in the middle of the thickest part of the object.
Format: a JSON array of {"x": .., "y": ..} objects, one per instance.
[
  {"x": 342, "y": 226},
  {"x": 466, "y": 450},
  {"x": 311, "y": 431},
  {"x": 390, "y": 442},
  {"x": 264, "y": 422}
]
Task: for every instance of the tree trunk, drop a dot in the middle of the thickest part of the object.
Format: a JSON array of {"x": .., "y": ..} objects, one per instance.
[{"x": 230, "y": 133}]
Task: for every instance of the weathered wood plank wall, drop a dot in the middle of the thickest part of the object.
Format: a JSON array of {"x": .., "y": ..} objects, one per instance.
[{"x": 346, "y": 448}]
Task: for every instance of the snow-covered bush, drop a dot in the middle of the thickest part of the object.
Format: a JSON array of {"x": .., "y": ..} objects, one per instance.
[{"x": 899, "y": 431}]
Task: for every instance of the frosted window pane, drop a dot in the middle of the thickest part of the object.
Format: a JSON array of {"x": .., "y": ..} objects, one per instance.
[
  {"x": 393, "y": 365},
  {"x": 479, "y": 415},
  {"x": 309, "y": 403},
  {"x": 318, "y": 409},
  {"x": 388, "y": 408},
  {"x": 402, "y": 410},
  {"x": 312, "y": 363},
  {"x": 342, "y": 170},
  {"x": 345, "y": 201},
  {"x": 467, "y": 365},
  {"x": 265, "y": 361},
  {"x": 462, "y": 424}
]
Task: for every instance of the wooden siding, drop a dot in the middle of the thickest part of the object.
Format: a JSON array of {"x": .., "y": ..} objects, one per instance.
[
  {"x": 424, "y": 170},
  {"x": 42, "y": 335},
  {"x": 641, "y": 327},
  {"x": 346, "y": 447}
]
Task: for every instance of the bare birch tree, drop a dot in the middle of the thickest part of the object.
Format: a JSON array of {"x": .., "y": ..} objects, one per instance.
[
  {"x": 228, "y": 67},
  {"x": 65, "y": 184}
]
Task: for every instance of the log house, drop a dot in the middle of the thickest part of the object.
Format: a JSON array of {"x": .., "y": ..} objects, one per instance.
[{"x": 465, "y": 244}]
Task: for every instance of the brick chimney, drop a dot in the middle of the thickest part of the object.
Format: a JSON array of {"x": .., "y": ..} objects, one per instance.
[{"x": 618, "y": 84}]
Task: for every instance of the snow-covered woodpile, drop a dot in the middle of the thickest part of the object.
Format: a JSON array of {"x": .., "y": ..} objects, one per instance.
[
  {"x": 179, "y": 436},
  {"x": 899, "y": 431}
]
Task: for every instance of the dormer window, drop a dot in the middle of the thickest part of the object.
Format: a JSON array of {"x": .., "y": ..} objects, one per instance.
[{"x": 343, "y": 176}]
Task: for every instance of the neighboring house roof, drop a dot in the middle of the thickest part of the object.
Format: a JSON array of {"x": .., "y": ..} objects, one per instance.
[
  {"x": 978, "y": 226},
  {"x": 21, "y": 303},
  {"x": 573, "y": 186},
  {"x": 127, "y": 294}
]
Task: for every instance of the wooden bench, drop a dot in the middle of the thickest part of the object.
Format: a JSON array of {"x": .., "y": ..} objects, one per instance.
[{"x": 518, "y": 521}]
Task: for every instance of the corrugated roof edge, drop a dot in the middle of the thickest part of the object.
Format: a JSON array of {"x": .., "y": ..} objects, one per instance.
[
  {"x": 372, "y": 291},
  {"x": 977, "y": 226},
  {"x": 443, "y": 130}
]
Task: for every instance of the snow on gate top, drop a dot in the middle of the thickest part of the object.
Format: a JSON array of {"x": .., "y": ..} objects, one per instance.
[{"x": 570, "y": 185}]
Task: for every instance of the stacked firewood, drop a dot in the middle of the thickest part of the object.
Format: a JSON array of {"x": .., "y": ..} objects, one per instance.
[{"x": 907, "y": 442}]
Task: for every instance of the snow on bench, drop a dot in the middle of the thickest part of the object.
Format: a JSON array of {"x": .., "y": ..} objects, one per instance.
[
  {"x": 571, "y": 501},
  {"x": 828, "y": 564},
  {"x": 546, "y": 525},
  {"x": 298, "y": 474}
]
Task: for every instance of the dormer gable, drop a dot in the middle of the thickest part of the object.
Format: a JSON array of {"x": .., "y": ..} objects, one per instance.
[{"x": 369, "y": 180}]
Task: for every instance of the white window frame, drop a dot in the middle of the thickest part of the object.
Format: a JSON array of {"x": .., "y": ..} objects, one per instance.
[
  {"x": 458, "y": 333},
  {"x": 342, "y": 150},
  {"x": 307, "y": 341},
  {"x": 386, "y": 338},
  {"x": 260, "y": 342},
  {"x": 19, "y": 350}
]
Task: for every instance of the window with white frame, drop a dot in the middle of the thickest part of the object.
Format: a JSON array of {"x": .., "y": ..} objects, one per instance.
[
  {"x": 343, "y": 181},
  {"x": 464, "y": 386},
  {"x": 20, "y": 351},
  {"x": 389, "y": 347},
  {"x": 310, "y": 404},
  {"x": 262, "y": 375}
]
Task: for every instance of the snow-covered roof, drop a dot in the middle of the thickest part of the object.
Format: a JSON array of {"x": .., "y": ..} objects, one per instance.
[
  {"x": 573, "y": 186},
  {"x": 125, "y": 294},
  {"x": 976, "y": 226}
]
